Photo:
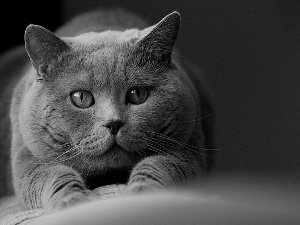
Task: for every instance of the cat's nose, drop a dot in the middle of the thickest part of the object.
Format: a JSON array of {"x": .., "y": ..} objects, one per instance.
[{"x": 114, "y": 126}]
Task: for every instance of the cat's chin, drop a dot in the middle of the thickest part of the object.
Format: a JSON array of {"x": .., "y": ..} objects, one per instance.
[
  {"x": 107, "y": 167},
  {"x": 113, "y": 157},
  {"x": 99, "y": 153},
  {"x": 114, "y": 149}
]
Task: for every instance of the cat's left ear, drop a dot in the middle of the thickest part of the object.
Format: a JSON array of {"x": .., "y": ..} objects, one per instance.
[
  {"x": 43, "y": 47},
  {"x": 160, "y": 38}
]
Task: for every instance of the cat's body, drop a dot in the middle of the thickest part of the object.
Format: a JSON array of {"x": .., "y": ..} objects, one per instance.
[{"x": 103, "y": 105}]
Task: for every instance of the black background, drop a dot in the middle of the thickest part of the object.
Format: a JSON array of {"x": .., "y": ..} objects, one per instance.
[{"x": 250, "y": 51}]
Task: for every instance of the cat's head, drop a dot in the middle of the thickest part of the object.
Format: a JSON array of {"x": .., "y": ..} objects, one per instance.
[{"x": 108, "y": 95}]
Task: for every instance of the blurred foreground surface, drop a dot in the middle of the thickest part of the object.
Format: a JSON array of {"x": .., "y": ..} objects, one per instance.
[{"x": 235, "y": 199}]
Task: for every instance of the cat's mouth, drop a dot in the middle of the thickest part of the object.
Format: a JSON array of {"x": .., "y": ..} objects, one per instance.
[
  {"x": 98, "y": 146},
  {"x": 98, "y": 152},
  {"x": 113, "y": 149}
]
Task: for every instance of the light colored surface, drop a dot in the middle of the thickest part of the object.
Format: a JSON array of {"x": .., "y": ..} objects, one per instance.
[
  {"x": 11, "y": 213},
  {"x": 172, "y": 209},
  {"x": 235, "y": 199},
  {"x": 225, "y": 199}
]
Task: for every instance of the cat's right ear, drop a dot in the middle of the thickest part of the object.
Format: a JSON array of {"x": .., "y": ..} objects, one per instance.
[{"x": 43, "y": 47}]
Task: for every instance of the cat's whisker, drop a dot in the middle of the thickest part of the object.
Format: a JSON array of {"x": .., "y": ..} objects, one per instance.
[
  {"x": 139, "y": 153},
  {"x": 59, "y": 156},
  {"x": 143, "y": 152},
  {"x": 163, "y": 143},
  {"x": 58, "y": 161},
  {"x": 174, "y": 146},
  {"x": 140, "y": 149},
  {"x": 168, "y": 141},
  {"x": 8, "y": 135},
  {"x": 188, "y": 146},
  {"x": 177, "y": 54},
  {"x": 149, "y": 147},
  {"x": 181, "y": 144},
  {"x": 70, "y": 157},
  {"x": 153, "y": 144},
  {"x": 85, "y": 167},
  {"x": 158, "y": 149}
]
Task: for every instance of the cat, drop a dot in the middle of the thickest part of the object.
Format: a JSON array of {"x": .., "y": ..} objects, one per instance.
[{"x": 105, "y": 99}]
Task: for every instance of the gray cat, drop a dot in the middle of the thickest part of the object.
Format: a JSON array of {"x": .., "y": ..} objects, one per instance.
[{"x": 108, "y": 102}]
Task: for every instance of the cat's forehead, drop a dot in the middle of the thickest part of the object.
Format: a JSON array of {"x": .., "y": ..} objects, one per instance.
[
  {"x": 103, "y": 59},
  {"x": 98, "y": 62}
]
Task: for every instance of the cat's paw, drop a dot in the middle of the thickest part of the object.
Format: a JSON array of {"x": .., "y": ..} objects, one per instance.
[
  {"x": 137, "y": 188},
  {"x": 70, "y": 200}
]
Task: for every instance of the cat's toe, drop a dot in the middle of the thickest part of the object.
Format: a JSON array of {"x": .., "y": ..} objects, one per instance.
[
  {"x": 137, "y": 188},
  {"x": 71, "y": 200}
]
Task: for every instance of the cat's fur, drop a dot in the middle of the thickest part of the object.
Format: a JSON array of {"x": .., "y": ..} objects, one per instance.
[{"x": 59, "y": 151}]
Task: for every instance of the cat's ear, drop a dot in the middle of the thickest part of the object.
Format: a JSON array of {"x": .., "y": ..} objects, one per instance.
[
  {"x": 160, "y": 38},
  {"x": 43, "y": 47}
]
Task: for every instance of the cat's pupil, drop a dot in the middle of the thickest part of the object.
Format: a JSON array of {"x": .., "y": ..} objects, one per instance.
[
  {"x": 136, "y": 92},
  {"x": 82, "y": 99},
  {"x": 137, "y": 95}
]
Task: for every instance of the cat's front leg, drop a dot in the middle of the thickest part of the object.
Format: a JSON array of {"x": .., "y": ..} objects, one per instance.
[
  {"x": 162, "y": 171},
  {"x": 50, "y": 186}
]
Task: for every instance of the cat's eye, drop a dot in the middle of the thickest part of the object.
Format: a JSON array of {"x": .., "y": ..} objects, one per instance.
[
  {"x": 82, "y": 99},
  {"x": 137, "y": 95}
]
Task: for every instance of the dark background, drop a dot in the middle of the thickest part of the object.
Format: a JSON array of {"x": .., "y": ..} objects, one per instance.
[{"x": 250, "y": 51}]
